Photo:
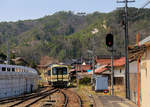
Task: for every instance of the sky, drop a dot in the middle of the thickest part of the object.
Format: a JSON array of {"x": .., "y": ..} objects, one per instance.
[{"x": 14, "y": 10}]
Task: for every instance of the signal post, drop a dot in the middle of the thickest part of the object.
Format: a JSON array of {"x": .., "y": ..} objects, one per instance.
[{"x": 109, "y": 43}]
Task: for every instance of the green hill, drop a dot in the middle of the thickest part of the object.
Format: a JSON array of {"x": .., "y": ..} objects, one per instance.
[{"x": 65, "y": 35}]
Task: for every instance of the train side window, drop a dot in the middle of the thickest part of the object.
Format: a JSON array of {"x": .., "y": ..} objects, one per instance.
[
  {"x": 20, "y": 70},
  {"x": 8, "y": 69},
  {"x": 13, "y": 69},
  {"x": 49, "y": 72},
  {"x": 3, "y": 69},
  {"x": 54, "y": 70},
  {"x": 65, "y": 71}
]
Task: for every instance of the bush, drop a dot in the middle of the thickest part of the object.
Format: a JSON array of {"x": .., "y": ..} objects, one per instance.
[{"x": 85, "y": 81}]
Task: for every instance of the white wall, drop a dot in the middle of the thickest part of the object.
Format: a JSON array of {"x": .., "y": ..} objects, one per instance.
[
  {"x": 117, "y": 72},
  {"x": 145, "y": 78}
]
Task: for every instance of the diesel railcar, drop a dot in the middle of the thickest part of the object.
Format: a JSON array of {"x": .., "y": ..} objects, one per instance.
[{"x": 58, "y": 75}]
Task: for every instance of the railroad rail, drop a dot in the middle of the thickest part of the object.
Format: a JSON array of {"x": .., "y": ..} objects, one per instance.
[
  {"x": 80, "y": 100},
  {"x": 39, "y": 96},
  {"x": 67, "y": 97},
  {"x": 42, "y": 97},
  {"x": 13, "y": 99}
]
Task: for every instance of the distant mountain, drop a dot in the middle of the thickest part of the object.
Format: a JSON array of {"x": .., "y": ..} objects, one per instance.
[{"x": 65, "y": 35}]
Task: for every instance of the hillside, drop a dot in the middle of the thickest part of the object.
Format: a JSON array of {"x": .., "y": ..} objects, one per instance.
[{"x": 65, "y": 35}]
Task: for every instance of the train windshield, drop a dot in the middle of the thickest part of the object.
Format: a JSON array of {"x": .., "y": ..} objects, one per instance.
[{"x": 59, "y": 71}]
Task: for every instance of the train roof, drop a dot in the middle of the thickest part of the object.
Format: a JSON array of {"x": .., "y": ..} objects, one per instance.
[
  {"x": 58, "y": 65},
  {"x": 21, "y": 67}
]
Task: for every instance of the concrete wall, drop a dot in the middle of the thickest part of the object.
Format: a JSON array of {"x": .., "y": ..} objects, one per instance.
[{"x": 145, "y": 78}]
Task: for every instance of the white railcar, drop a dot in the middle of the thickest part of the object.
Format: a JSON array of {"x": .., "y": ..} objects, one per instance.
[{"x": 16, "y": 80}]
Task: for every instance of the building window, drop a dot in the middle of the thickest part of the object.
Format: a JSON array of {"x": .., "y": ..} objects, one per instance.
[
  {"x": 13, "y": 69},
  {"x": 49, "y": 72},
  {"x": 8, "y": 69},
  {"x": 3, "y": 69},
  {"x": 146, "y": 72},
  {"x": 120, "y": 71},
  {"x": 118, "y": 81}
]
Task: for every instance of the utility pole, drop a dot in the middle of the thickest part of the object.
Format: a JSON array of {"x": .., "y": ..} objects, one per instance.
[
  {"x": 93, "y": 43},
  {"x": 93, "y": 54},
  {"x": 8, "y": 52},
  {"x": 112, "y": 75},
  {"x": 93, "y": 61},
  {"x": 81, "y": 65},
  {"x": 126, "y": 48}
]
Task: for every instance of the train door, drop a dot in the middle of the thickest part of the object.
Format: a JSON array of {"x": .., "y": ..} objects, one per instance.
[
  {"x": 31, "y": 88},
  {"x": 62, "y": 72},
  {"x": 59, "y": 74},
  {"x": 26, "y": 86}
]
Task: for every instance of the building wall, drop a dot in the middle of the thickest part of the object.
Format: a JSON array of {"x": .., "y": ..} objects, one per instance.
[
  {"x": 119, "y": 72},
  {"x": 145, "y": 78},
  {"x": 133, "y": 81},
  {"x": 119, "y": 81}
]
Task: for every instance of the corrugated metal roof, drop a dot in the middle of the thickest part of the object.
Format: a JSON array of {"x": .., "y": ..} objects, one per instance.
[
  {"x": 117, "y": 62},
  {"x": 142, "y": 42},
  {"x": 103, "y": 61},
  {"x": 83, "y": 67},
  {"x": 101, "y": 69}
]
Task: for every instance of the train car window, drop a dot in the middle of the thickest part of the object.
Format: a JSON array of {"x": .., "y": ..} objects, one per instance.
[
  {"x": 3, "y": 69},
  {"x": 54, "y": 70},
  {"x": 49, "y": 72},
  {"x": 59, "y": 71},
  {"x": 8, "y": 69},
  {"x": 13, "y": 69},
  {"x": 16, "y": 69},
  {"x": 65, "y": 71}
]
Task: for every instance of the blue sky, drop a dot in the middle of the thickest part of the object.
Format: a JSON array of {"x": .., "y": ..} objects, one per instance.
[{"x": 13, "y": 10}]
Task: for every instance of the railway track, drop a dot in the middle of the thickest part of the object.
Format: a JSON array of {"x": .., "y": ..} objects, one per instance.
[
  {"x": 65, "y": 98},
  {"x": 28, "y": 101},
  {"x": 13, "y": 99},
  {"x": 23, "y": 100},
  {"x": 41, "y": 97},
  {"x": 71, "y": 98},
  {"x": 68, "y": 98},
  {"x": 18, "y": 98}
]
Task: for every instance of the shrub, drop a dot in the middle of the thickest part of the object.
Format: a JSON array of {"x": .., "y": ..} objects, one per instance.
[{"x": 85, "y": 81}]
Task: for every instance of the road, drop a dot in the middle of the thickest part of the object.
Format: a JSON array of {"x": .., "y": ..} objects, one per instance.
[{"x": 115, "y": 101}]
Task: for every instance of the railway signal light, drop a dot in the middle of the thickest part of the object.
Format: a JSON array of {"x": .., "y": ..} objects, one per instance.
[{"x": 109, "y": 40}]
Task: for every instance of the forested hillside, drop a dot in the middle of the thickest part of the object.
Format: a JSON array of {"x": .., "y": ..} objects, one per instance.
[{"x": 65, "y": 35}]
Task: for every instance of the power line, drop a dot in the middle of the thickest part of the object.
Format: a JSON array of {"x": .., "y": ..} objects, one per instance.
[
  {"x": 136, "y": 15},
  {"x": 146, "y": 4}
]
